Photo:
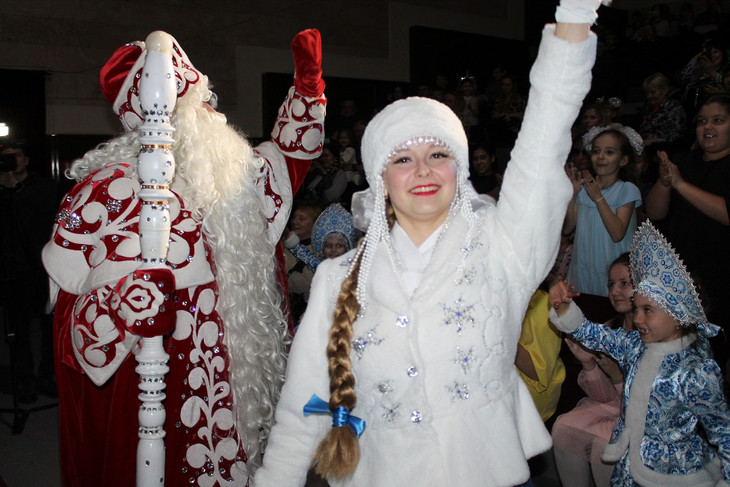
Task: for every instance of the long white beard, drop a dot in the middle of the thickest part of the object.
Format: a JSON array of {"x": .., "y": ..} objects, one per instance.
[
  {"x": 216, "y": 171},
  {"x": 217, "y": 177}
]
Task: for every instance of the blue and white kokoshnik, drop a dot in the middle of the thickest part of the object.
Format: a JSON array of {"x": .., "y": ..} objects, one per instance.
[
  {"x": 662, "y": 278},
  {"x": 334, "y": 220}
]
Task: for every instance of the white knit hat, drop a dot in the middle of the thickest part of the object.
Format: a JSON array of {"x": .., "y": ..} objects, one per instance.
[{"x": 404, "y": 123}]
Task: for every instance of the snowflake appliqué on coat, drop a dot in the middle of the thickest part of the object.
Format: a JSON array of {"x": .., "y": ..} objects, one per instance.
[
  {"x": 458, "y": 391},
  {"x": 359, "y": 345},
  {"x": 465, "y": 359},
  {"x": 458, "y": 315}
]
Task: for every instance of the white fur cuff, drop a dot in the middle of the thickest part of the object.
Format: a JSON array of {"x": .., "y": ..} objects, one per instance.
[{"x": 569, "y": 321}]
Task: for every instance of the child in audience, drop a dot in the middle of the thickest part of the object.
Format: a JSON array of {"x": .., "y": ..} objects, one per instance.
[
  {"x": 674, "y": 408},
  {"x": 333, "y": 234},
  {"x": 602, "y": 212},
  {"x": 581, "y": 435}
]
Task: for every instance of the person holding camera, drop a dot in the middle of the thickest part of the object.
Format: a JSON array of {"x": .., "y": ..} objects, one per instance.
[{"x": 28, "y": 204}]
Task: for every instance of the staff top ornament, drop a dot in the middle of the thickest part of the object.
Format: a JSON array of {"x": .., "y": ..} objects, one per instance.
[{"x": 121, "y": 74}]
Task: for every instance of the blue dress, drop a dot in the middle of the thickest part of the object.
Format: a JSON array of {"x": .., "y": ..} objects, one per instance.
[
  {"x": 671, "y": 388},
  {"x": 593, "y": 248}
]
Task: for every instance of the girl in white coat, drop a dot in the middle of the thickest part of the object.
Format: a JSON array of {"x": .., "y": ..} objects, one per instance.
[{"x": 412, "y": 336}]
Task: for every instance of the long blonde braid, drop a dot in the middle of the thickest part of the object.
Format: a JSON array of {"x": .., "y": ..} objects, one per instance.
[{"x": 338, "y": 453}]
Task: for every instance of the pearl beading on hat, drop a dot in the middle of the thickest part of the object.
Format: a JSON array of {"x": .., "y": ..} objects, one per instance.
[
  {"x": 406, "y": 144},
  {"x": 661, "y": 276}
]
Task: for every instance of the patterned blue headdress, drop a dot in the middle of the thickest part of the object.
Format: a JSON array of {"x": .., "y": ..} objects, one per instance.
[
  {"x": 660, "y": 276},
  {"x": 334, "y": 220}
]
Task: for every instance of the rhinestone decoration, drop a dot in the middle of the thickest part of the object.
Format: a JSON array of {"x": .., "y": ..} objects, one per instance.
[
  {"x": 458, "y": 391},
  {"x": 416, "y": 417},
  {"x": 425, "y": 139},
  {"x": 465, "y": 359},
  {"x": 390, "y": 412},
  {"x": 412, "y": 371},
  {"x": 113, "y": 206},
  {"x": 467, "y": 249},
  {"x": 467, "y": 277},
  {"x": 385, "y": 387},
  {"x": 71, "y": 221},
  {"x": 402, "y": 321},
  {"x": 459, "y": 315},
  {"x": 360, "y": 344}
]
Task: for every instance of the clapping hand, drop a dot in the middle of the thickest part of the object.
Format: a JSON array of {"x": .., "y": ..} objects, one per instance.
[{"x": 669, "y": 174}]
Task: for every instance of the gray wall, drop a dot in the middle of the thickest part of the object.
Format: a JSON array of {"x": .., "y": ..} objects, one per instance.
[{"x": 233, "y": 42}]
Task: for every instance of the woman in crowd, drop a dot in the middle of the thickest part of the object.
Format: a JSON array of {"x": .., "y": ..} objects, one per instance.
[
  {"x": 483, "y": 171},
  {"x": 663, "y": 118}
]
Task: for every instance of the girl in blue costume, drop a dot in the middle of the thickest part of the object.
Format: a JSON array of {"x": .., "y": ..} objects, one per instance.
[
  {"x": 603, "y": 210},
  {"x": 674, "y": 406},
  {"x": 333, "y": 234}
]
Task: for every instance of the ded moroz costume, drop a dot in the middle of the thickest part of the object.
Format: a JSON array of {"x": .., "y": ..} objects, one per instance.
[{"x": 230, "y": 204}]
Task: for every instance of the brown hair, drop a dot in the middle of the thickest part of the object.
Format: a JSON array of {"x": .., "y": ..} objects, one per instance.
[
  {"x": 338, "y": 453},
  {"x": 628, "y": 171}
]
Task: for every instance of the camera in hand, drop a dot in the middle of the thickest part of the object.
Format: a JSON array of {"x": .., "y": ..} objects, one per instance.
[{"x": 8, "y": 162}]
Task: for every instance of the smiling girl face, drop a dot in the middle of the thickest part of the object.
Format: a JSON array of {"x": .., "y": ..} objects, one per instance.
[
  {"x": 654, "y": 324},
  {"x": 421, "y": 183},
  {"x": 713, "y": 131}
]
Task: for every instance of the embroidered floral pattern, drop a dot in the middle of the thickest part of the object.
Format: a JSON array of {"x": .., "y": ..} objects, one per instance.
[{"x": 216, "y": 452}]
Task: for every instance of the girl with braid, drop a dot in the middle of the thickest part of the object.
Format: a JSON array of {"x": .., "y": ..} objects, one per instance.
[{"x": 402, "y": 371}]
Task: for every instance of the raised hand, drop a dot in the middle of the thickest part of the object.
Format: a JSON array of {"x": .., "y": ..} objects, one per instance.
[
  {"x": 585, "y": 357},
  {"x": 307, "y": 50},
  {"x": 610, "y": 367},
  {"x": 591, "y": 186},
  {"x": 561, "y": 294},
  {"x": 578, "y": 11},
  {"x": 574, "y": 177}
]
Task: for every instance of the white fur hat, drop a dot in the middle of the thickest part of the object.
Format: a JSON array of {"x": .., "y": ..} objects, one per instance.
[{"x": 408, "y": 122}]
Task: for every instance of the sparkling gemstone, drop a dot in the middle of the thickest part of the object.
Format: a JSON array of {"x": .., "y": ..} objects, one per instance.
[
  {"x": 412, "y": 371},
  {"x": 402, "y": 321},
  {"x": 416, "y": 417}
]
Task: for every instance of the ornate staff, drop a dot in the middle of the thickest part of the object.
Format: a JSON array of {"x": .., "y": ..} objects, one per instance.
[{"x": 155, "y": 168}]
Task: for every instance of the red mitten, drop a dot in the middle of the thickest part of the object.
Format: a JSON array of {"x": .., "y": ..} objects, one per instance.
[
  {"x": 143, "y": 302},
  {"x": 307, "y": 50}
]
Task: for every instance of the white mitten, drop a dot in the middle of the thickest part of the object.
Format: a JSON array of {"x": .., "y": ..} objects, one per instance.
[{"x": 578, "y": 11}]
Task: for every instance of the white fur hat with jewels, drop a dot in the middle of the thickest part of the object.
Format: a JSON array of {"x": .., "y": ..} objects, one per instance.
[{"x": 403, "y": 123}]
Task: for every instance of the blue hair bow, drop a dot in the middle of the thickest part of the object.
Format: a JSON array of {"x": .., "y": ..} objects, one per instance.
[{"x": 340, "y": 416}]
